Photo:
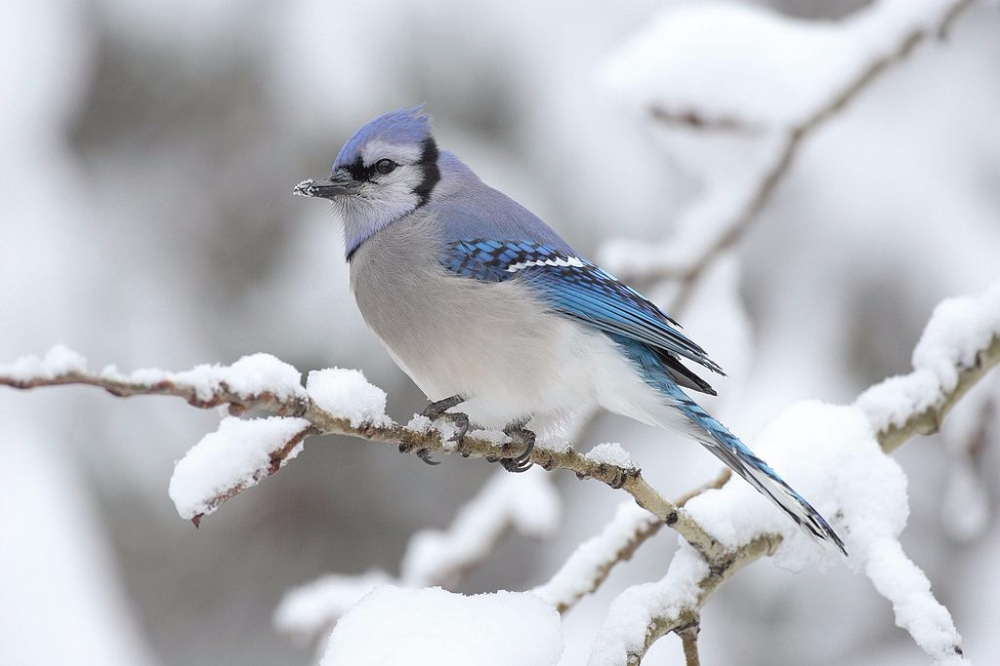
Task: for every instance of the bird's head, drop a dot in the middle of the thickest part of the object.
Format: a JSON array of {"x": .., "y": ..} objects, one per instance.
[{"x": 385, "y": 171}]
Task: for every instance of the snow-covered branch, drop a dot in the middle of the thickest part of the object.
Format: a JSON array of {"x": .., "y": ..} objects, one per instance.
[
  {"x": 846, "y": 58},
  {"x": 591, "y": 563},
  {"x": 722, "y": 527},
  {"x": 943, "y": 372},
  {"x": 960, "y": 344},
  {"x": 333, "y": 402}
]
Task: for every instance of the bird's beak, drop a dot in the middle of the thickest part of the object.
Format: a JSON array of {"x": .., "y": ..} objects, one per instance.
[{"x": 339, "y": 184}]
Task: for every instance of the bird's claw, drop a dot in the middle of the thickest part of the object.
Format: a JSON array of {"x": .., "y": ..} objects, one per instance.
[
  {"x": 439, "y": 410},
  {"x": 425, "y": 455},
  {"x": 522, "y": 462}
]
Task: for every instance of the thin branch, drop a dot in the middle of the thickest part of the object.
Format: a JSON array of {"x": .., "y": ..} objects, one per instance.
[
  {"x": 716, "y": 483},
  {"x": 406, "y": 439},
  {"x": 697, "y": 121},
  {"x": 591, "y": 562},
  {"x": 928, "y": 421},
  {"x": 583, "y": 573},
  {"x": 689, "y": 641},
  {"x": 193, "y": 394},
  {"x": 688, "y": 275},
  {"x": 682, "y": 620},
  {"x": 922, "y": 422},
  {"x": 289, "y": 399}
]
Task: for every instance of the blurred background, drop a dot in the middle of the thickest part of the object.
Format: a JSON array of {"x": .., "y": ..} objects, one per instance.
[{"x": 149, "y": 150}]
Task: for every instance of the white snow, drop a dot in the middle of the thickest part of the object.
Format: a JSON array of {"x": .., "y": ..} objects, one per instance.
[
  {"x": 347, "y": 394},
  {"x": 957, "y": 329},
  {"x": 307, "y": 610},
  {"x": 902, "y": 582},
  {"x": 249, "y": 376},
  {"x": 496, "y": 437},
  {"x": 846, "y": 476},
  {"x": 576, "y": 576},
  {"x": 237, "y": 455},
  {"x": 611, "y": 453},
  {"x": 624, "y": 626},
  {"x": 59, "y": 360},
  {"x": 419, "y": 423},
  {"x": 399, "y": 627},
  {"x": 768, "y": 73},
  {"x": 527, "y": 502},
  {"x": 861, "y": 492},
  {"x": 258, "y": 373},
  {"x": 765, "y": 69}
]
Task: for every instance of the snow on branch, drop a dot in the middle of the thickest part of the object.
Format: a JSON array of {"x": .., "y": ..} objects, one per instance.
[
  {"x": 593, "y": 560},
  {"x": 848, "y": 476},
  {"x": 809, "y": 71},
  {"x": 960, "y": 344},
  {"x": 591, "y": 563},
  {"x": 333, "y": 402},
  {"x": 233, "y": 458}
]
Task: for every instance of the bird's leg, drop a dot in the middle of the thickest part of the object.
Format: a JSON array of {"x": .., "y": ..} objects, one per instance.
[
  {"x": 518, "y": 433},
  {"x": 439, "y": 409}
]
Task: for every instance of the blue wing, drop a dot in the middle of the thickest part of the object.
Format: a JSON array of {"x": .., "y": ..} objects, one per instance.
[{"x": 578, "y": 289}]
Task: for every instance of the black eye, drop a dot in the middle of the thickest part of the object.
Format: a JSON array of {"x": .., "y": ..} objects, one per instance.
[{"x": 385, "y": 166}]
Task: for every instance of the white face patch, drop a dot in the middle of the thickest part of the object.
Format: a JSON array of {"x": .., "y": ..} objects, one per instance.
[
  {"x": 568, "y": 261},
  {"x": 376, "y": 150}
]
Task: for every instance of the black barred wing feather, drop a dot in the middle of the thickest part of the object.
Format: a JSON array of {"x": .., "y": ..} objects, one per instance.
[{"x": 577, "y": 289}]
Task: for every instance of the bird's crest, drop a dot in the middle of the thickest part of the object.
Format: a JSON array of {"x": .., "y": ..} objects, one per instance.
[{"x": 400, "y": 127}]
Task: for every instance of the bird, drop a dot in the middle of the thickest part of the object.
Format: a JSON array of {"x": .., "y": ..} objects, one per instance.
[{"x": 498, "y": 320}]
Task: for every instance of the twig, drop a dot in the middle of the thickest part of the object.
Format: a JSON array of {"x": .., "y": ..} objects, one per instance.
[
  {"x": 618, "y": 541},
  {"x": 928, "y": 421},
  {"x": 697, "y": 121},
  {"x": 925, "y": 421},
  {"x": 237, "y": 402},
  {"x": 688, "y": 275},
  {"x": 660, "y": 626},
  {"x": 591, "y": 562},
  {"x": 689, "y": 641}
]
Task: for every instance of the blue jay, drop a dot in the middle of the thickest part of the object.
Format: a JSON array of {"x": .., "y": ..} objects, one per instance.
[{"x": 484, "y": 306}]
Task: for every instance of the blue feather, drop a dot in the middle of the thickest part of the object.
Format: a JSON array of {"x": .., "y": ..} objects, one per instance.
[
  {"x": 727, "y": 447},
  {"x": 575, "y": 288}
]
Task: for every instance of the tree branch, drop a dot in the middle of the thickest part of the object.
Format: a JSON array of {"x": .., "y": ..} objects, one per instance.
[
  {"x": 323, "y": 422},
  {"x": 890, "y": 437},
  {"x": 928, "y": 421},
  {"x": 689, "y": 641},
  {"x": 731, "y": 232},
  {"x": 921, "y": 421}
]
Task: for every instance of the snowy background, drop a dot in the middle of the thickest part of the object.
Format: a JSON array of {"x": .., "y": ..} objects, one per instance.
[{"x": 146, "y": 219}]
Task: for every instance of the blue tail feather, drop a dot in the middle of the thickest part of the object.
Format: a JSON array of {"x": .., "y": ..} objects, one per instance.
[{"x": 728, "y": 448}]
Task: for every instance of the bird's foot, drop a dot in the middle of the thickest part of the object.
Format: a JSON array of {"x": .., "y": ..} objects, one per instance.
[
  {"x": 438, "y": 410},
  {"x": 526, "y": 438}
]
